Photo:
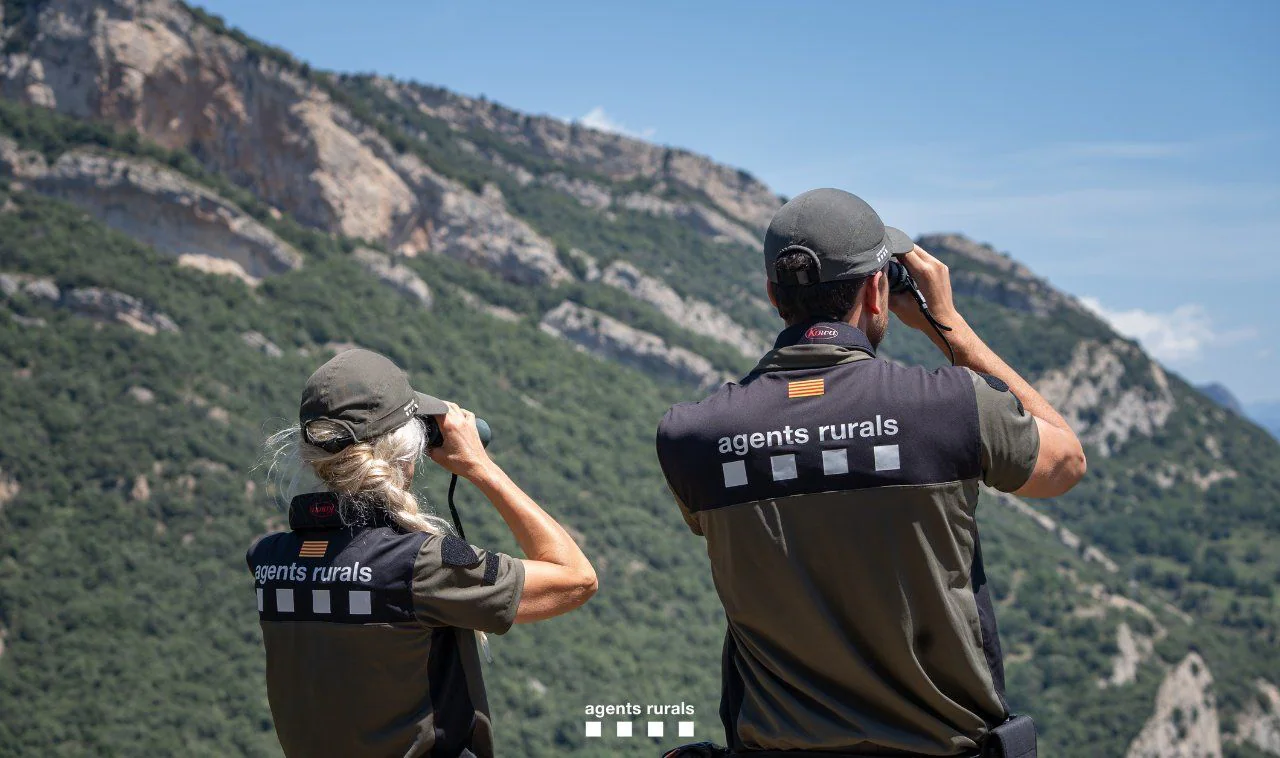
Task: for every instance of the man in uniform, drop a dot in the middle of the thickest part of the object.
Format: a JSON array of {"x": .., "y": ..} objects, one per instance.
[{"x": 837, "y": 493}]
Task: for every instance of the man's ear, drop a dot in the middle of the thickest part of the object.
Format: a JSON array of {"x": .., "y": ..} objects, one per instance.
[
  {"x": 773, "y": 293},
  {"x": 870, "y": 294}
]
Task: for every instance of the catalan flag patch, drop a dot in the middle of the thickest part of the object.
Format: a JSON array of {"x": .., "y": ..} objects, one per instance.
[
  {"x": 313, "y": 549},
  {"x": 807, "y": 388}
]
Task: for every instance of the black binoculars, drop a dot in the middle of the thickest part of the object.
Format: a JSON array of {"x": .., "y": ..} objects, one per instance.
[
  {"x": 899, "y": 278},
  {"x": 435, "y": 435}
]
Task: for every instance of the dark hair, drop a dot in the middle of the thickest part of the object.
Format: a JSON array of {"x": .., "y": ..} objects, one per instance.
[{"x": 824, "y": 301}]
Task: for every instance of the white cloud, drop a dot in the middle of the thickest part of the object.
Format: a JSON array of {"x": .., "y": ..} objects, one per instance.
[
  {"x": 596, "y": 118},
  {"x": 1176, "y": 336}
]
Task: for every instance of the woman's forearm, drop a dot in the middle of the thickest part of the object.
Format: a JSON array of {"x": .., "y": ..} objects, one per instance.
[{"x": 539, "y": 536}]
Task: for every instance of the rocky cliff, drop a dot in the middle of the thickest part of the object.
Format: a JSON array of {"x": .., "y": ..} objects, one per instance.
[
  {"x": 97, "y": 303},
  {"x": 1185, "y": 722},
  {"x": 158, "y": 206},
  {"x": 151, "y": 66},
  {"x": 609, "y": 338},
  {"x": 735, "y": 193}
]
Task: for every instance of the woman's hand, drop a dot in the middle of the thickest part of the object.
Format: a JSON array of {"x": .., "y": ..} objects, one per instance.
[{"x": 461, "y": 453}]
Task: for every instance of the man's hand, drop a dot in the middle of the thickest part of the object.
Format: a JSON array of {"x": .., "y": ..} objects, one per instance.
[
  {"x": 462, "y": 453},
  {"x": 934, "y": 281},
  {"x": 1061, "y": 461}
]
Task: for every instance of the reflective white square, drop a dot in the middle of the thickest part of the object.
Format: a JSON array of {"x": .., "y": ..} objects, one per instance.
[
  {"x": 624, "y": 728},
  {"x": 284, "y": 601},
  {"x": 685, "y": 728},
  {"x": 259, "y": 599},
  {"x": 887, "y": 458},
  {"x": 319, "y": 601},
  {"x": 784, "y": 467},
  {"x": 835, "y": 462},
  {"x": 654, "y": 729},
  {"x": 360, "y": 602},
  {"x": 593, "y": 728},
  {"x": 735, "y": 473}
]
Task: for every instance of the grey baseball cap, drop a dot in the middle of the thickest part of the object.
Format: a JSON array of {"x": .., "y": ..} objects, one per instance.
[
  {"x": 364, "y": 392},
  {"x": 845, "y": 237}
]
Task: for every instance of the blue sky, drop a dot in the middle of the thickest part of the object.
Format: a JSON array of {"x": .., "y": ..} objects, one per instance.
[{"x": 1129, "y": 152}]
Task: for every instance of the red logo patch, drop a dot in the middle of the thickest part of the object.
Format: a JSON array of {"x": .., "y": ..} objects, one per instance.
[
  {"x": 821, "y": 333},
  {"x": 323, "y": 510}
]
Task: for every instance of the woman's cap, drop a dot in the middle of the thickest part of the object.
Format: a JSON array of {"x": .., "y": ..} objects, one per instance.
[
  {"x": 365, "y": 393},
  {"x": 844, "y": 236}
]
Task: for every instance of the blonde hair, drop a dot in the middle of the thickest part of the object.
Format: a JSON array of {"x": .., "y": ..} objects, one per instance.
[{"x": 367, "y": 475}]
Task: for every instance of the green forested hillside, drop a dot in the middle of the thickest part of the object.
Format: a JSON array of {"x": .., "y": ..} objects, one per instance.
[
  {"x": 142, "y": 608},
  {"x": 127, "y": 616}
]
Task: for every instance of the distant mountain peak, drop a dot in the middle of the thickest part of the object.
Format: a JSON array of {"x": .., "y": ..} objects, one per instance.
[{"x": 1219, "y": 394}]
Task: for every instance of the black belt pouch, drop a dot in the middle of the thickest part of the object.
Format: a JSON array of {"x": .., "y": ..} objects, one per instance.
[{"x": 1015, "y": 738}]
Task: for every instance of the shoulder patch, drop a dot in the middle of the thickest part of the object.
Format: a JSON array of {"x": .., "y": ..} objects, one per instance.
[
  {"x": 1000, "y": 385},
  {"x": 454, "y": 551},
  {"x": 995, "y": 382}
]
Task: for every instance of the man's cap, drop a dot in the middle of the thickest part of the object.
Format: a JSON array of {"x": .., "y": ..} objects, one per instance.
[
  {"x": 365, "y": 393},
  {"x": 843, "y": 235}
]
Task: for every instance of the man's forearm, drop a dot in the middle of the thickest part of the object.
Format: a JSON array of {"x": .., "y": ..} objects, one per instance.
[{"x": 973, "y": 353}]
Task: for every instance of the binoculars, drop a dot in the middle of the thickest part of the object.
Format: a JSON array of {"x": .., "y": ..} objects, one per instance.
[
  {"x": 435, "y": 435},
  {"x": 899, "y": 278}
]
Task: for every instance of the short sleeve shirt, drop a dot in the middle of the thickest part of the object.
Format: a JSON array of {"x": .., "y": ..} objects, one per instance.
[{"x": 370, "y": 634}]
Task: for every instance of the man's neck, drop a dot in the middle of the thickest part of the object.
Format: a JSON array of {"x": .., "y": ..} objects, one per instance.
[{"x": 824, "y": 333}]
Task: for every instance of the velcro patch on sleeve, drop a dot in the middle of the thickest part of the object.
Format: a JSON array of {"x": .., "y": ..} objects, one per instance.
[
  {"x": 1000, "y": 385},
  {"x": 454, "y": 551},
  {"x": 490, "y": 569},
  {"x": 995, "y": 383}
]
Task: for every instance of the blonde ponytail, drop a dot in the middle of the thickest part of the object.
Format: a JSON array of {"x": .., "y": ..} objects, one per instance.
[{"x": 369, "y": 475}]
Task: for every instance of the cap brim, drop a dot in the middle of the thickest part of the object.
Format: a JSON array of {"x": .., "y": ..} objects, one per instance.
[
  {"x": 430, "y": 406},
  {"x": 898, "y": 241}
]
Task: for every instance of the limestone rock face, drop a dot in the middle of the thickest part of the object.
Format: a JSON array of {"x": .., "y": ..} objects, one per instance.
[
  {"x": 589, "y": 194},
  {"x": 1259, "y": 723},
  {"x": 609, "y": 338},
  {"x": 474, "y": 230},
  {"x": 701, "y": 218},
  {"x": 1132, "y": 649},
  {"x": 695, "y": 315},
  {"x": 735, "y": 193},
  {"x": 109, "y": 305},
  {"x": 9, "y": 489},
  {"x": 1185, "y": 721},
  {"x": 97, "y": 303},
  {"x": 150, "y": 65},
  {"x": 1013, "y": 286},
  {"x": 1104, "y": 399},
  {"x": 259, "y": 341},
  {"x": 157, "y": 206},
  {"x": 475, "y": 302},
  {"x": 395, "y": 275}
]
